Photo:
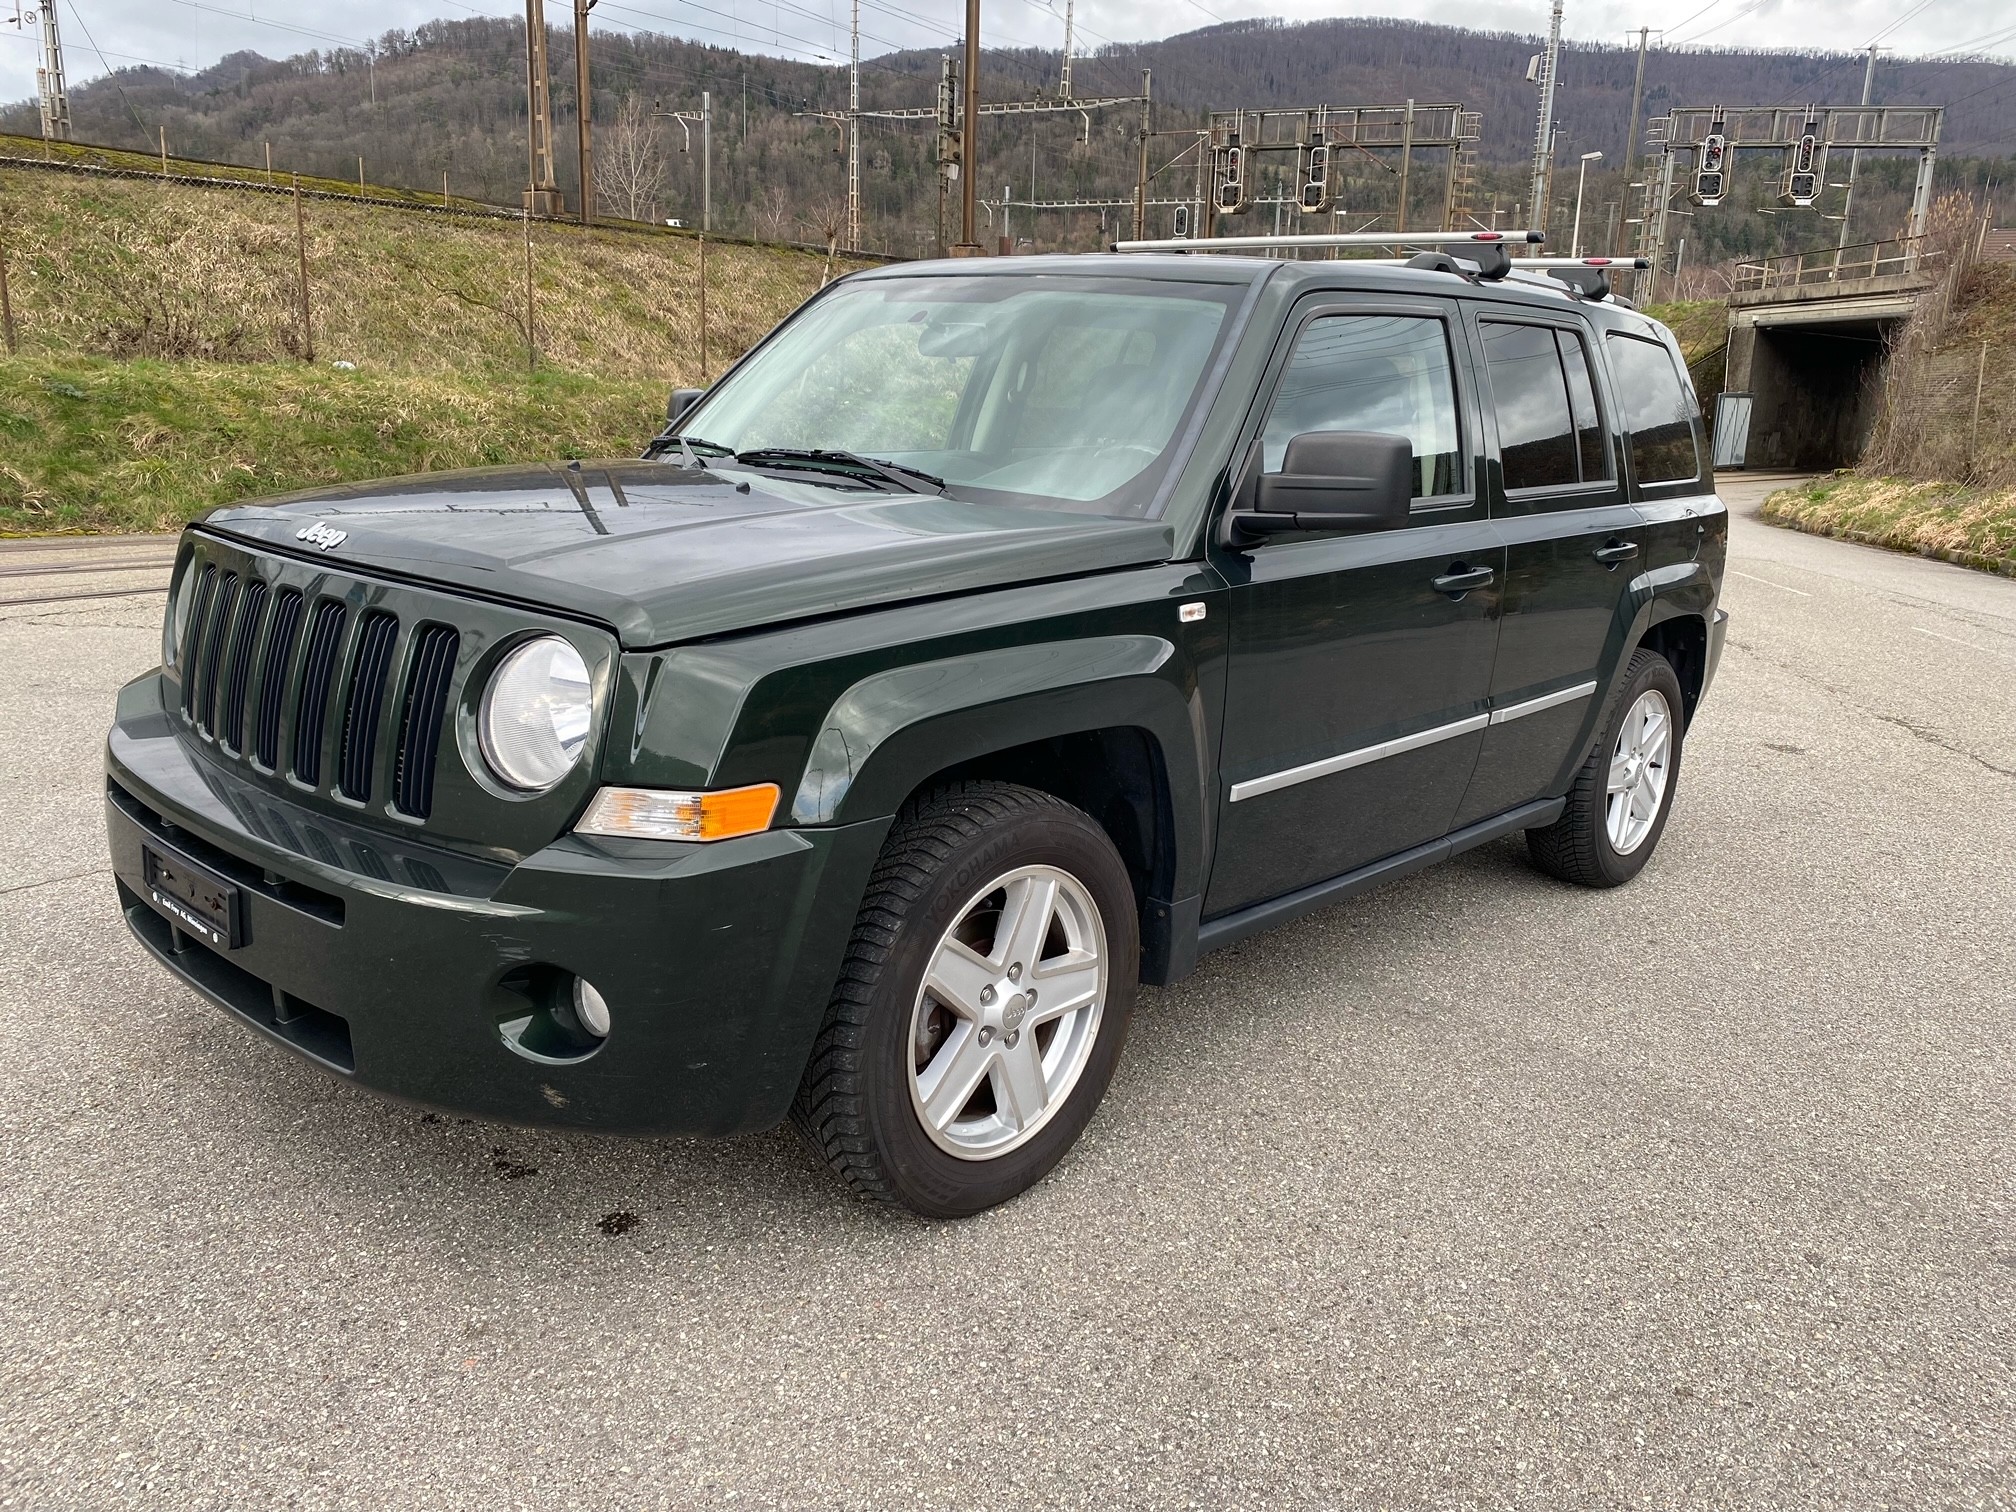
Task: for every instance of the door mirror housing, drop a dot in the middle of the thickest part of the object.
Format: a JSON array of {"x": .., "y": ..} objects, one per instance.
[
  {"x": 682, "y": 400},
  {"x": 1330, "y": 480}
]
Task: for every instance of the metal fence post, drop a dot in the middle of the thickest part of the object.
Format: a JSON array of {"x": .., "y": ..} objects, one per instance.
[
  {"x": 703, "y": 307},
  {"x": 301, "y": 255},
  {"x": 7, "y": 306},
  {"x": 1973, "y": 441},
  {"x": 531, "y": 342}
]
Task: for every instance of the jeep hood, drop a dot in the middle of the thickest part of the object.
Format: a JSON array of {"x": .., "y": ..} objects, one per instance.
[{"x": 664, "y": 553}]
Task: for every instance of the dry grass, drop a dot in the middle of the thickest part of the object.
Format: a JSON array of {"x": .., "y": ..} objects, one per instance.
[
  {"x": 1975, "y": 527},
  {"x": 126, "y": 268},
  {"x": 162, "y": 363}
]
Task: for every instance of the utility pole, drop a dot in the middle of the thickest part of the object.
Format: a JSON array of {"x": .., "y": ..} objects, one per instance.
[
  {"x": 49, "y": 81},
  {"x": 1543, "y": 135},
  {"x": 584, "y": 112},
  {"x": 854, "y": 132},
  {"x": 948, "y": 147},
  {"x": 706, "y": 160},
  {"x": 1064, "y": 80},
  {"x": 542, "y": 195},
  {"x": 1637, "y": 104},
  {"x": 1141, "y": 164},
  {"x": 1855, "y": 157},
  {"x": 969, "y": 146},
  {"x": 1406, "y": 161}
]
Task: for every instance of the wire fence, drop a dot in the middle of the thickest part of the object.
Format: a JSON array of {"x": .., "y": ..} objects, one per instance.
[{"x": 176, "y": 267}]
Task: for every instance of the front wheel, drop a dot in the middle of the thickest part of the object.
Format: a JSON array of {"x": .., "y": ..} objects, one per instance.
[
  {"x": 983, "y": 1003},
  {"x": 1618, "y": 804}
]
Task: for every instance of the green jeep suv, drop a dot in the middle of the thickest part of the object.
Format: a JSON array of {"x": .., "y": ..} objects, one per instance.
[{"x": 994, "y": 637}]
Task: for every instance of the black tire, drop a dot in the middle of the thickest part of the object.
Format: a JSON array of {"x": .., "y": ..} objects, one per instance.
[
  {"x": 1577, "y": 847},
  {"x": 854, "y": 1105}
]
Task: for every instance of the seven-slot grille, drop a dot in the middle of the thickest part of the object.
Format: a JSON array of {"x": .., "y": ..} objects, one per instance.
[{"x": 264, "y": 665}]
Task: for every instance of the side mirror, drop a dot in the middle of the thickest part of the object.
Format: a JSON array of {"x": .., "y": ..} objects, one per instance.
[
  {"x": 682, "y": 401},
  {"x": 1331, "y": 480}
]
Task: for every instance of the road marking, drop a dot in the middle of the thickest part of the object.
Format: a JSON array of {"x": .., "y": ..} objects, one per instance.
[
  {"x": 1955, "y": 640},
  {"x": 1768, "y": 583}
]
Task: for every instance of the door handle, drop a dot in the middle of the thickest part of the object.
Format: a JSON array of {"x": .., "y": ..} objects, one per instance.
[
  {"x": 1460, "y": 580},
  {"x": 1615, "y": 552}
]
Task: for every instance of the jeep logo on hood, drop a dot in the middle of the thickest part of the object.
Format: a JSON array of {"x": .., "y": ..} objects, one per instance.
[{"x": 321, "y": 535}]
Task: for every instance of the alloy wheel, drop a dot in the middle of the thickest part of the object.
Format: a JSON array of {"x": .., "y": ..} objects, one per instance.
[
  {"x": 1008, "y": 1013},
  {"x": 1639, "y": 766}
]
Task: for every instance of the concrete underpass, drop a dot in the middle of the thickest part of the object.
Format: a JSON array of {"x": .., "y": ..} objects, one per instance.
[{"x": 1810, "y": 359}]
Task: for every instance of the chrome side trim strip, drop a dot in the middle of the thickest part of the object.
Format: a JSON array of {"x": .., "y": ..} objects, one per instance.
[
  {"x": 1363, "y": 756},
  {"x": 1544, "y": 701}
]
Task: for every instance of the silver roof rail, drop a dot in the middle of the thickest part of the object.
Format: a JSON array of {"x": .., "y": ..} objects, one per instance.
[
  {"x": 1530, "y": 262},
  {"x": 1337, "y": 239}
]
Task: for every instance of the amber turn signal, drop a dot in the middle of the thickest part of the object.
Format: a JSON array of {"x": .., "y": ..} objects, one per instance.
[{"x": 658, "y": 814}]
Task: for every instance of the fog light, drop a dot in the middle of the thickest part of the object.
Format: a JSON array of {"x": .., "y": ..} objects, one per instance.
[{"x": 590, "y": 1009}]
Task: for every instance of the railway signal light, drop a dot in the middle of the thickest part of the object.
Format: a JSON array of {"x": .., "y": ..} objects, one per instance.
[
  {"x": 1802, "y": 177},
  {"x": 1179, "y": 222},
  {"x": 1234, "y": 197},
  {"x": 1711, "y": 175},
  {"x": 1314, "y": 197}
]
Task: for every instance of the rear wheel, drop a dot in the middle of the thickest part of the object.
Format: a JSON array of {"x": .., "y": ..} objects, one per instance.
[
  {"x": 983, "y": 1003},
  {"x": 1618, "y": 804}
]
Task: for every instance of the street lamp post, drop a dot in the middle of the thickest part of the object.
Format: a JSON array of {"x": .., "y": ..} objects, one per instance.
[{"x": 1581, "y": 179}]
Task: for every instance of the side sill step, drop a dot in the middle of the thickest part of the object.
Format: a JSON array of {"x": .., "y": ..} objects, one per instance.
[{"x": 1230, "y": 928}]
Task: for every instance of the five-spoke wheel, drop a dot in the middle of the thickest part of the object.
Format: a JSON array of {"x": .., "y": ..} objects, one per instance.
[
  {"x": 983, "y": 1003},
  {"x": 1639, "y": 760},
  {"x": 1617, "y": 805},
  {"x": 1008, "y": 1012}
]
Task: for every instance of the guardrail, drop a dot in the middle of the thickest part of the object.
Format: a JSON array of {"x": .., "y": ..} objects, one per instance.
[{"x": 1880, "y": 259}]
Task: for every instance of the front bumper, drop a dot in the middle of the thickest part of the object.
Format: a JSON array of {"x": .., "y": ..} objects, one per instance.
[{"x": 717, "y": 960}]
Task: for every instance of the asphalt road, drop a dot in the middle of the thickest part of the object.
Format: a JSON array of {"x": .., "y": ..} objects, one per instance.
[{"x": 1478, "y": 1191}]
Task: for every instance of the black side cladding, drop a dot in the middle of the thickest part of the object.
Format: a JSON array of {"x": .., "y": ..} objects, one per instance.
[
  {"x": 231, "y": 713},
  {"x": 311, "y": 716},
  {"x": 362, "y": 709},
  {"x": 425, "y": 707},
  {"x": 280, "y": 644}
]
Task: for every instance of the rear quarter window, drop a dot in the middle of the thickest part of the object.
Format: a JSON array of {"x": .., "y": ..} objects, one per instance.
[{"x": 1659, "y": 410}]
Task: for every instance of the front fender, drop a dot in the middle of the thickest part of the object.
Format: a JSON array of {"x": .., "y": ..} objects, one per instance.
[{"x": 890, "y": 732}]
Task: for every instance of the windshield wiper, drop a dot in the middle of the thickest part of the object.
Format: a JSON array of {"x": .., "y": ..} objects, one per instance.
[
  {"x": 821, "y": 459},
  {"x": 691, "y": 448}
]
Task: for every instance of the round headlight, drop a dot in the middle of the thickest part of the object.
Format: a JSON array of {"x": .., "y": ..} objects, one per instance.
[{"x": 535, "y": 714}]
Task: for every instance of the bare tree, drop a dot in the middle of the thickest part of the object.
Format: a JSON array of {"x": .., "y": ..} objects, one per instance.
[
  {"x": 827, "y": 222},
  {"x": 772, "y": 212},
  {"x": 630, "y": 163}
]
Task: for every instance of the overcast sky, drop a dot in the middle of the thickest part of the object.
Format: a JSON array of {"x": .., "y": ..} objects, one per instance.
[{"x": 195, "y": 33}]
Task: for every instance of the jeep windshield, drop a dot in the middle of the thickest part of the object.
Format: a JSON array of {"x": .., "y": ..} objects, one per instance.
[{"x": 1047, "y": 390}]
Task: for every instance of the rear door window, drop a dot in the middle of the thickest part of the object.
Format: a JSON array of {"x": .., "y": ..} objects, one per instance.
[
  {"x": 1660, "y": 411},
  {"x": 1536, "y": 428}
]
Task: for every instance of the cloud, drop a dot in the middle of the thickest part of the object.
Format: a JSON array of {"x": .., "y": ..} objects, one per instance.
[{"x": 192, "y": 34}]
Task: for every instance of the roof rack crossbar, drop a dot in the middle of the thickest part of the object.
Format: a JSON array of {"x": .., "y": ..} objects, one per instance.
[{"x": 1338, "y": 239}]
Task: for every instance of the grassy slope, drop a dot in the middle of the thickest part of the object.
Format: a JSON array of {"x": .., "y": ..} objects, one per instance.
[
  {"x": 96, "y": 444},
  {"x": 161, "y": 366},
  {"x": 1975, "y": 527},
  {"x": 1961, "y": 503}
]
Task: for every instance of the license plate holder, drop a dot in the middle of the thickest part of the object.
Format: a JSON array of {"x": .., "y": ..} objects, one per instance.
[{"x": 195, "y": 899}]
